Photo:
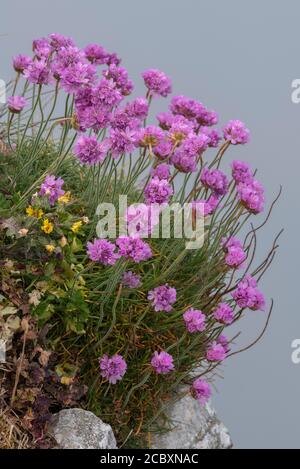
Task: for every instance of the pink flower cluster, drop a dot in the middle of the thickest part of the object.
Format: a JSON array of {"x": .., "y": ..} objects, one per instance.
[
  {"x": 104, "y": 251},
  {"x": 247, "y": 294}
]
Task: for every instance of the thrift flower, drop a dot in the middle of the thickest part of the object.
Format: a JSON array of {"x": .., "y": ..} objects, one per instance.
[
  {"x": 21, "y": 62},
  {"x": 251, "y": 195},
  {"x": 241, "y": 172},
  {"x": 162, "y": 362},
  {"x": 215, "y": 352},
  {"x": 113, "y": 368},
  {"x": 157, "y": 82},
  {"x": 236, "y": 132},
  {"x": 131, "y": 280},
  {"x": 235, "y": 254},
  {"x": 201, "y": 391},
  {"x": 224, "y": 314},
  {"x": 247, "y": 294},
  {"x": 103, "y": 251},
  {"x": 162, "y": 298},
  {"x": 215, "y": 180},
  {"x": 158, "y": 191},
  {"x": 16, "y": 104},
  {"x": 194, "y": 320},
  {"x": 88, "y": 150},
  {"x": 134, "y": 248}
]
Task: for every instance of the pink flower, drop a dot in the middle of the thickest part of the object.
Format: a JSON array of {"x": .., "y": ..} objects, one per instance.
[
  {"x": 194, "y": 320},
  {"x": 113, "y": 369},
  {"x": 215, "y": 352},
  {"x": 162, "y": 362},
  {"x": 201, "y": 391},
  {"x": 224, "y": 314},
  {"x": 103, "y": 251},
  {"x": 236, "y": 132}
]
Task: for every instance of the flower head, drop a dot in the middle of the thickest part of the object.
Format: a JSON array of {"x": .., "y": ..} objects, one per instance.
[
  {"x": 241, "y": 172},
  {"x": 247, "y": 294},
  {"x": 103, "y": 251},
  {"x": 162, "y": 298},
  {"x": 215, "y": 180},
  {"x": 201, "y": 391},
  {"x": 131, "y": 280},
  {"x": 16, "y": 104},
  {"x": 251, "y": 194},
  {"x": 224, "y": 314},
  {"x": 162, "y": 362},
  {"x": 215, "y": 352},
  {"x": 236, "y": 132},
  {"x": 76, "y": 226},
  {"x": 235, "y": 254},
  {"x": 158, "y": 191},
  {"x": 88, "y": 150},
  {"x": 194, "y": 320},
  {"x": 38, "y": 72},
  {"x": 112, "y": 368},
  {"x": 161, "y": 171},
  {"x": 134, "y": 248},
  {"x": 52, "y": 188},
  {"x": 21, "y": 62},
  {"x": 157, "y": 82},
  {"x": 47, "y": 226}
]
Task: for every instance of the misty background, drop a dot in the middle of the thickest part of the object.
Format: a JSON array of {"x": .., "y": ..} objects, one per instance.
[{"x": 240, "y": 59}]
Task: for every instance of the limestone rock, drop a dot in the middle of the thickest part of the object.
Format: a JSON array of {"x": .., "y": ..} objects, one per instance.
[
  {"x": 193, "y": 427},
  {"x": 80, "y": 429}
]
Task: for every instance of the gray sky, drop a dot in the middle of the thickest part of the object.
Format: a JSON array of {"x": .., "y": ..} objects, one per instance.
[{"x": 239, "y": 58}]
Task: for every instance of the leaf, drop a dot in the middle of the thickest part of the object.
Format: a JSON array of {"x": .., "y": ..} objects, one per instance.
[
  {"x": 35, "y": 297},
  {"x": 8, "y": 310}
]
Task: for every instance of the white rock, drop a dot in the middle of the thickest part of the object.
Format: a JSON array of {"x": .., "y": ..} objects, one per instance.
[
  {"x": 80, "y": 429},
  {"x": 193, "y": 427}
]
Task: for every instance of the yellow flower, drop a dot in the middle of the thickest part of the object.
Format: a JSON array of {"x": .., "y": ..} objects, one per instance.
[
  {"x": 64, "y": 199},
  {"x": 50, "y": 248},
  {"x": 39, "y": 214},
  {"x": 35, "y": 213},
  {"x": 47, "y": 226},
  {"x": 76, "y": 226},
  {"x": 30, "y": 211}
]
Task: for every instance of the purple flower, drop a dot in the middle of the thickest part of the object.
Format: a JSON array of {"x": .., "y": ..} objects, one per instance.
[
  {"x": 163, "y": 149},
  {"x": 162, "y": 362},
  {"x": 201, "y": 391},
  {"x": 151, "y": 136},
  {"x": 113, "y": 369},
  {"x": 184, "y": 162},
  {"x": 21, "y": 62},
  {"x": 16, "y": 104},
  {"x": 222, "y": 339},
  {"x": 161, "y": 171},
  {"x": 157, "y": 82},
  {"x": 96, "y": 54},
  {"x": 134, "y": 248},
  {"x": 158, "y": 191},
  {"x": 131, "y": 280},
  {"x": 103, "y": 251},
  {"x": 106, "y": 93},
  {"x": 213, "y": 135},
  {"x": 38, "y": 72},
  {"x": 89, "y": 150},
  {"x": 235, "y": 254},
  {"x": 215, "y": 180},
  {"x": 195, "y": 145},
  {"x": 215, "y": 352},
  {"x": 247, "y": 294},
  {"x": 194, "y": 320},
  {"x": 58, "y": 41},
  {"x": 206, "y": 207},
  {"x": 120, "y": 77},
  {"x": 186, "y": 107},
  {"x": 138, "y": 108},
  {"x": 236, "y": 132},
  {"x": 162, "y": 298},
  {"x": 251, "y": 194},
  {"x": 123, "y": 141},
  {"x": 224, "y": 314},
  {"x": 65, "y": 58},
  {"x": 76, "y": 76},
  {"x": 52, "y": 188},
  {"x": 207, "y": 118},
  {"x": 142, "y": 219},
  {"x": 42, "y": 48},
  {"x": 241, "y": 172}
]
